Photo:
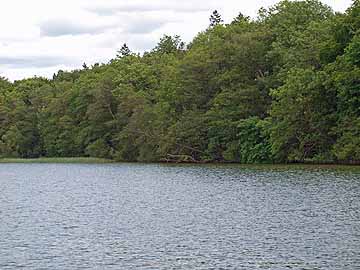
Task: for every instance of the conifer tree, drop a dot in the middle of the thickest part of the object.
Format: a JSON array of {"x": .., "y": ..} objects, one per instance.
[
  {"x": 124, "y": 51},
  {"x": 215, "y": 19}
]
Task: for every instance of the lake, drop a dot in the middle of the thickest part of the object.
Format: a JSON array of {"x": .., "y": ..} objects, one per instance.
[{"x": 153, "y": 216}]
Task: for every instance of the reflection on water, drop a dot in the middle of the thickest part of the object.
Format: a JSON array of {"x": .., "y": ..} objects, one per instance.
[{"x": 133, "y": 216}]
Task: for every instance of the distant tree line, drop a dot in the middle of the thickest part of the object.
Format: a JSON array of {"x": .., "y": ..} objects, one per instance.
[{"x": 284, "y": 87}]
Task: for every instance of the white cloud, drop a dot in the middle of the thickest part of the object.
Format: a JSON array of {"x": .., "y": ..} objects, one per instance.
[{"x": 38, "y": 37}]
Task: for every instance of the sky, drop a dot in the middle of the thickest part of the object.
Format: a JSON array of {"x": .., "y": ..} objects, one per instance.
[{"x": 40, "y": 37}]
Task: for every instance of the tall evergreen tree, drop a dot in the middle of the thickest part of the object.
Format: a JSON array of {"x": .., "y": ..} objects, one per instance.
[
  {"x": 124, "y": 51},
  {"x": 215, "y": 19},
  {"x": 241, "y": 18}
]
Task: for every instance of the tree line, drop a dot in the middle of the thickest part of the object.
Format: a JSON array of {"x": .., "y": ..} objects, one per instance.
[{"x": 284, "y": 87}]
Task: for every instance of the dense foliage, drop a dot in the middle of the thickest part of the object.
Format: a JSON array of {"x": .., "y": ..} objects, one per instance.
[{"x": 284, "y": 87}]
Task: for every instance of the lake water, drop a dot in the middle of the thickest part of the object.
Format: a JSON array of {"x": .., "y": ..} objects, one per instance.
[{"x": 133, "y": 216}]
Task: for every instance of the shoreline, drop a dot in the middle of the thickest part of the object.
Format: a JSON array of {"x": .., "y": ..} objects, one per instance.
[
  {"x": 70, "y": 160},
  {"x": 90, "y": 160}
]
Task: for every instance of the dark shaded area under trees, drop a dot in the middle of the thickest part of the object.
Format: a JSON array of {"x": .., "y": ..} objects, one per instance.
[{"x": 284, "y": 87}]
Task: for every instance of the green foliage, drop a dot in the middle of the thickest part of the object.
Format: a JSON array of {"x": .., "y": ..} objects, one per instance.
[
  {"x": 281, "y": 88},
  {"x": 169, "y": 44},
  {"x": 253, "y": 144},
  {"x": 99, "y": 149},
  {"x": 347, "y": 147},
  {"x": 302, "y": 113},
  {"x": 353, "y": 51},
  {"x": 245, "y": 141}
]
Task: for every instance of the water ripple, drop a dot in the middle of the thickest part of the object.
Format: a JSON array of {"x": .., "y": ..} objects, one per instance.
[{"x": 133, "y": 216}]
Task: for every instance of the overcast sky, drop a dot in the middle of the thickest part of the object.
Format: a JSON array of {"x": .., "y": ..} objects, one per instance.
[{"x": 39, "y": 37}]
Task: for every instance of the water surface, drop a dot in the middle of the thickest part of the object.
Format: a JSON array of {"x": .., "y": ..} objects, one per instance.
[{"x": 134, "y": 216}]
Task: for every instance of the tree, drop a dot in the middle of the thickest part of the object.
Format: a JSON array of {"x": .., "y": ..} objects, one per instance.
[
  {"x": 252, "y": 144},
  {"x": 294, "y": 33},
  {"x": 303, "y": 112},
  {"x": 280, "y": 88},
  {"x": 215, "y": 19},
  {"x": 169, "y": 44},
  {"x": 241, "y": 18},
  {"x": 124, "y": 51},
  {"x": 353, "y": 51}
]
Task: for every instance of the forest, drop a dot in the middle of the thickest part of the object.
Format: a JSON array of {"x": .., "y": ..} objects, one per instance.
[{"x": 279, "y": 88}]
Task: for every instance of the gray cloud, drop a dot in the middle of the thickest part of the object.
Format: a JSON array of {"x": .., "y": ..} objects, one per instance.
[
  {"x": 131, "y": 8},
  {"x": 144, "y": 26},
  {"x": 142, "y": 44},
  {"x": 55, "y": 28},
  {"x": 34, "y": 61},
  {"x": 103, "y": 10}
]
